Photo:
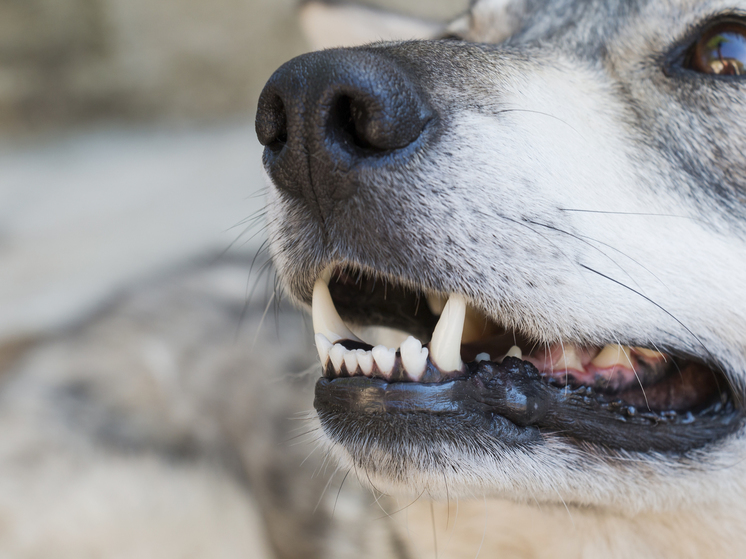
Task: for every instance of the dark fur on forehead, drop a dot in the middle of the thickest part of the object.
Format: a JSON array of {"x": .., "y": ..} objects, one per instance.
[{"x": 582, "y": 26}]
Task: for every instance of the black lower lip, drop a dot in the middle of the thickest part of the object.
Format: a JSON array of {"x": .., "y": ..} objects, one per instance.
[{"x": 514, "y": 391}]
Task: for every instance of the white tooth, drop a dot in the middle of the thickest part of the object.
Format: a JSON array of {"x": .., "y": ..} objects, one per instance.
[
  {"x": 385, "y": 359},
  {"x": 568, "y": 360},
  {"x": 483, "y": 357},
  {"x": 382, "y": 335},
  {"x": 323, "y": 346},
  {"x": 337, "y": 355},
  {"x": 515, "y": 351},
  {"x": 612, "y": 355},
  {"x": 414, "y": 358},
  {"x": 351, "y": 362},
  {"x": 445, "y": 346},
  {"x": 326, "y": 319},
  {"x": 365, "y": 360},
  {"x": 436, "y": 303}
]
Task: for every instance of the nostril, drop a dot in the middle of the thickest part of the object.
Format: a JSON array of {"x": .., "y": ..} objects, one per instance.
[
  {"x": 348, "y": 120},
  {"x": 271, "y": 122},
  {"x": 375, "y": 120}
]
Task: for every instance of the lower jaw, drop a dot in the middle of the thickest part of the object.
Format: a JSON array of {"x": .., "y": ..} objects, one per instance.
[{"x": 514, "y": 403}]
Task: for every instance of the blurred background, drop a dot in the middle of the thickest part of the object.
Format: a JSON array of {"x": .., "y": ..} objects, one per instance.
[
  {"x": 130, "y": 409},
  {"x": 126, "y": 140}
]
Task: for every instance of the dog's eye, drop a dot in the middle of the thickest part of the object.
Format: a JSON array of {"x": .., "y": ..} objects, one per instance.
[{"x": 721, "y": 50}]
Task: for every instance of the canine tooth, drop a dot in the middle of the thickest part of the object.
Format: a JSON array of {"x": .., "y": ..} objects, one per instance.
[
  {"x": 568, "y": 359},
  {"x": 350, "y": 358},
  {"x": 337, "y": 355},
  {"x": 385, "y": 359},
  {"x": 482, "y": 357},
  {"x": 436, "y": 303},
  {"x": 515, "y": 351},
  {"x": 365, "y": 361},
  {"x": 414, "y": 357},
  {"x": 323, "y": 346},
  {"x": 612, "y": 355},
  {"x": 326, "y": 319},
  {"x": 445, "y": 346}
]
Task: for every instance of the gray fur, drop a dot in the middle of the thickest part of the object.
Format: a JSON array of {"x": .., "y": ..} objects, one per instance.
[{"x": 581, "y": 187}]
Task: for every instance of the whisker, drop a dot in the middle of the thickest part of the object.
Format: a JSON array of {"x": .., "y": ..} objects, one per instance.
[
  {"x": 519, "y": 110},
  {"x": 587, "y": 241},
  {"x": 323, "y": 492},
  {"x": 455, "y": 520},
  {"x": 339, "y": 491},
  {"x": 640, "y": 214},
  {"x": 261, "y": 320},
  {"x": 565, "y": 505},
  {"x": 405, "y": 507},
  {"x": 619, "y": 345},
  {"x": 294, "y": 437},
  {"x": 312, "y": 451},
  {"x": 686, "y": 328},
  {"x": 484, "y": 531},
  {"x": 432, "y": 519}
]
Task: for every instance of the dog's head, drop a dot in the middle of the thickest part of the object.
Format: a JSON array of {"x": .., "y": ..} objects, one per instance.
[{"x": 551, "y": 201}]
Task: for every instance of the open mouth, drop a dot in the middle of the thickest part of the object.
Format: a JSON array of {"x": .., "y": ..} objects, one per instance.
[{"x": 458, "y": 362}]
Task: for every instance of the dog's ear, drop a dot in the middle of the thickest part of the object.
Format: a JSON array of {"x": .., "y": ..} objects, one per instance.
[{"x": 327, "y": 25}]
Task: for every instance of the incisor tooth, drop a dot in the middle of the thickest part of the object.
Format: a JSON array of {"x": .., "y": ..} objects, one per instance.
[
  {"x": 515, "y": 351},
  {"x": 326, "y": 319},
  {"x": 385, "y": 359},
  {"x": 445, "y": 345},
  {"x": 612, "y": 355},
  {"x": 568, "y": 360},
  {"x": 365, "y": 360},
  {"x": 323, "y": 346},
  {"x": 482, "y": 357},
  {"x": 350, "y": 358},
  {"x": 337, "y": 355},
  {"x": 414, "y": 358}
]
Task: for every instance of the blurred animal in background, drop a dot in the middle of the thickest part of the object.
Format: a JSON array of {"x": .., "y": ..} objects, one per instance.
[
  {"x": 169, "y": 421},
  {"x": 523, "y": 244}
]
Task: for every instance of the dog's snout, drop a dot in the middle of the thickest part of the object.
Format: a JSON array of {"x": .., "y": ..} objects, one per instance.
[{"x": 326, "y": 116}]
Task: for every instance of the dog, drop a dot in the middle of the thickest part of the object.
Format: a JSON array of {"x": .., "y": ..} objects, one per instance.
[{"x": 523, "y": 246}]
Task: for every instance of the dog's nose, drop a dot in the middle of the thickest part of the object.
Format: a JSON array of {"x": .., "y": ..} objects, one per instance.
[{"x": 327, "y": 117}]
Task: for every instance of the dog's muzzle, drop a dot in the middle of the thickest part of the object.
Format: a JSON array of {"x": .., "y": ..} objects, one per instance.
[{"x": 344, "y": 130}]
